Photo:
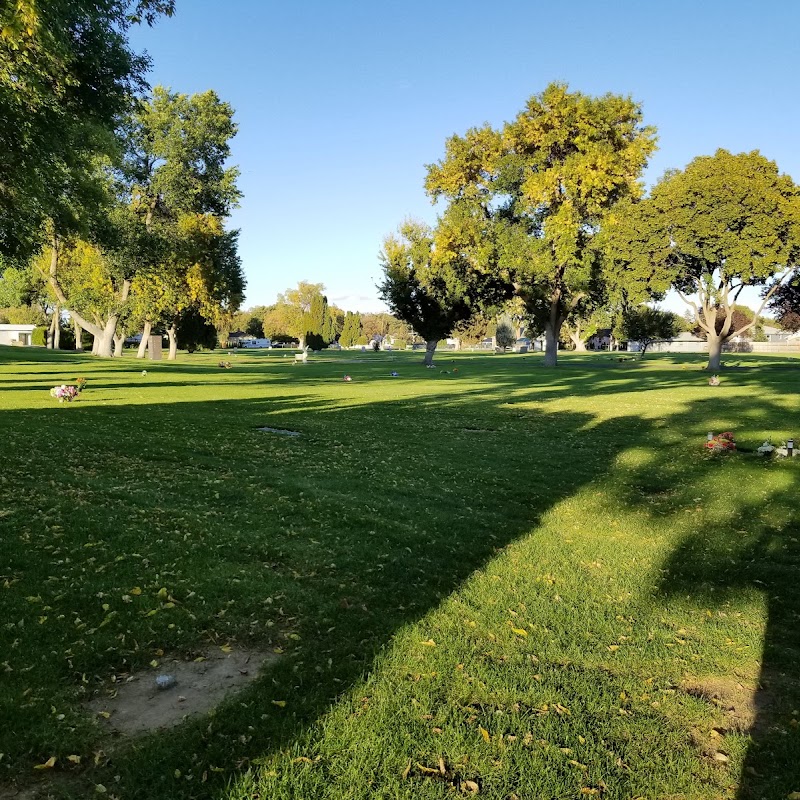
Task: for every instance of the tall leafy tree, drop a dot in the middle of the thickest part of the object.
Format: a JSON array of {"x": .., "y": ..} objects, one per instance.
[
  {"x": 204, "y": 279},
  {"x": 67, "y": 72},
  {"x": 724, "y": 223},
  {"x": 175, "y": 172},
  {"x": 411, "y": 290},
  {"x": 541, "y": 187},
  {"x": 294, "y": 307}
]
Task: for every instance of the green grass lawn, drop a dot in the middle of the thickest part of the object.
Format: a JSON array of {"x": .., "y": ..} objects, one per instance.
[{"x": 504, "y": 580}]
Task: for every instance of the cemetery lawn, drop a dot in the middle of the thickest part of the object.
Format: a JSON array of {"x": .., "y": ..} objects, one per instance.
[{"x": 504, "y": 581}]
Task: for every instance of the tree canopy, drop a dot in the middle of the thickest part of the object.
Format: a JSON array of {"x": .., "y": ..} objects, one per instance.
[
  {"x": 67, "y": 73},
  {"x": 646, "y": 325},
  {"x": 412, "y": 290},
  {"x": 525, "y": 201},
  {"x": 723, "y": 223}
]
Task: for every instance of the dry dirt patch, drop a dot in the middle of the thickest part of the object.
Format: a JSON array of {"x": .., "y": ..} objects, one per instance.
[{"x": 136, "y": 705}]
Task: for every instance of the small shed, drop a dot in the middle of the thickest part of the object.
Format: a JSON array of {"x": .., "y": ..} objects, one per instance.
[{"x": 17, "y": 334}]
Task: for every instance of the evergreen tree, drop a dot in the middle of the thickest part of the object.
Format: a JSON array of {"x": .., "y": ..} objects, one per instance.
[
  {"x": 329, "y": 327},
  {"x": 315, "y": 326},
  {"x": 351, "y": 332}
]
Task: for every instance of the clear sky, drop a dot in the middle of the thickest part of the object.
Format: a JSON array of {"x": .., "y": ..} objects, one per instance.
[{"x": 341, "y": 104}]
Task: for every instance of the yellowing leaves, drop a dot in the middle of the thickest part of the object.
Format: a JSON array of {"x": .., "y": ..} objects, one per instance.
[
  {"x": 279, "y": 703},
  {"x": 520, "y": 631},
  {"x": 484, "y": 733},
  {"x": 429, "y": 643},
  {"x": 49, "y": 764}
]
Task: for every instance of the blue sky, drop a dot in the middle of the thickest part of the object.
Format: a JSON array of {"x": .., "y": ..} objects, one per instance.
[{"x": 341, "y": 105}]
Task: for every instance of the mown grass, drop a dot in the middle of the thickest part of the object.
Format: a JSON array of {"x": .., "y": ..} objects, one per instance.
[{"x": 503, "y": 579}]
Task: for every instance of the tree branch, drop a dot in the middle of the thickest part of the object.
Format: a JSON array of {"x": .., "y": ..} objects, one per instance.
[
  {"x": 767, "y": 296},
  {"x": 696, "y": 310}
]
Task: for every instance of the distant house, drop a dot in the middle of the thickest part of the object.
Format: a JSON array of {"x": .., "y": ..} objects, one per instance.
[
  {"x": 684, "y": 342},
  {"x": 21, "y": 335},
  {"x": 604, "y": 340},
  {"x": 238, "y": 338},
  {"x": 776, "y": 335},
  {"x": 600, "y": 340}
]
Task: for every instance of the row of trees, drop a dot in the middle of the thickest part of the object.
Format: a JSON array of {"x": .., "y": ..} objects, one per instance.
[
  {"x": 304, "y": 314},
  {"x": 113, "y": 203},
  {"x": 549, "y": 213}
]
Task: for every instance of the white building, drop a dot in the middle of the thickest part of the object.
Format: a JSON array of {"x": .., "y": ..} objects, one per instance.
[{"x": 16, "y": 334}]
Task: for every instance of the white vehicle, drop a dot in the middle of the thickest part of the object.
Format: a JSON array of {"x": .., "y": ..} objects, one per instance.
[{"x": 257, "y": 343}]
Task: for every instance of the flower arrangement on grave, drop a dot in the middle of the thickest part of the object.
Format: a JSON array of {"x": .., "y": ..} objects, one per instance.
[
  {"x": 64, "y": 394},
  {"x": 80, "y": 384},
  {"x": 721, "y": 443},
  {"x": 713, "y": 380},
  {"x": 224, "y": 365},
  {"x": 347, "y": 378}
]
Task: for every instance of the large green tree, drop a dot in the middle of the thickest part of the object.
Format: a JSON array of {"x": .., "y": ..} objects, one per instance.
[
  {"x": 67, "y": 72},
  {"x": 175, "y": 172},
  {"x": 724, "y": 223},
  {"x": 540, "y": 189},
  {"x": 413, "y": 293},
  {"x": 293, "y": 311}
]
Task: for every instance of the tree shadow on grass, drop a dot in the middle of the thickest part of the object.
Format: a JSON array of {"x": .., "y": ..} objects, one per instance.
[
  {"x": 322, "y": 546},
  {"x": 718, "y": 564},
  {"x": 747, "y": 546}
]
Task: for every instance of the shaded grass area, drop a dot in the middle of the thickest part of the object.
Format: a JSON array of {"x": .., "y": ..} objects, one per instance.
[{"x": 507, "y": 577}]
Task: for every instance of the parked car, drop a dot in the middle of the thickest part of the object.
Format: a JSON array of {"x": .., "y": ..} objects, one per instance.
[
  {"x": 256, "y": 343},
  {"x": 522, "y": 345}
]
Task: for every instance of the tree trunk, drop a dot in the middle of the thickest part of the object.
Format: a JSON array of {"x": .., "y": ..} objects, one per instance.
[
  {"x": 580, "y": 344},
  {"x": 57, "y": 327},
  {"x": 105, "y": 342},
  {"x": 145, "y": 343},
  {"x": 50, "y": 336},
  {"x": 173, "y": 343},
  {"x": 550, "y": 345},
  {"x": 552, "y": 329},
  {"x": 78, "y": 335},
  {"x": 95, "y": 344},
  {"x": 119, "y": 344},
  {"x": 714, "y": 352},
  {"x": 430, "y": 349}
]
